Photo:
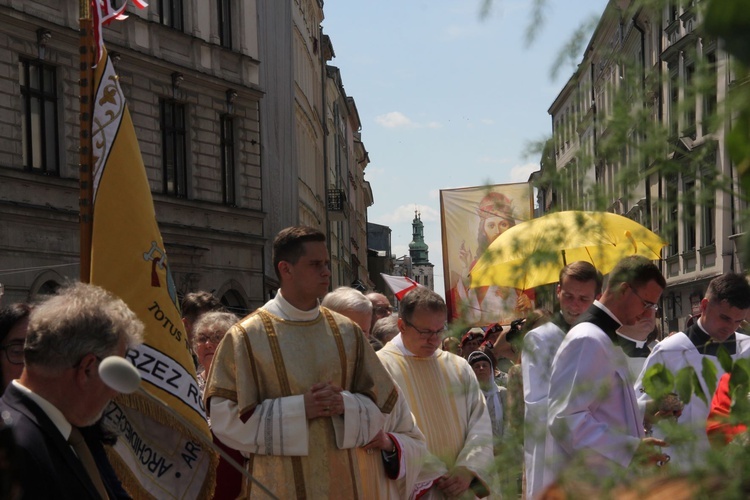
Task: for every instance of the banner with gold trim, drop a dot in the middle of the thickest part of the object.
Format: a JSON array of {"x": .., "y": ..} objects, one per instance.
[{"x": 155, "y": 456}]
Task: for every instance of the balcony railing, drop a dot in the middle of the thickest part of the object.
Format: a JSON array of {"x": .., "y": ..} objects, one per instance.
[{"x": 338, "y": 208}]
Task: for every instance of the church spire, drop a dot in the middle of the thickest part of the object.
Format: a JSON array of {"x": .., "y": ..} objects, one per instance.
[{"x": 418, "y": 249}]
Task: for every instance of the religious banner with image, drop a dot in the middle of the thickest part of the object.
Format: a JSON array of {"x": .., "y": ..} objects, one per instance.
[
  {"x": 471, "y": 219},
  {"x": 156, "y": 455}
]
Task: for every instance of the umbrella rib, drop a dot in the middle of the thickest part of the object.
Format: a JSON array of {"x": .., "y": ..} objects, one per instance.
[{"x": 591, "y": 258}]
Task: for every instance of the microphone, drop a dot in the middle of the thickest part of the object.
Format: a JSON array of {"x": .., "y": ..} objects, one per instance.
[{"x": 120, "y": 375}]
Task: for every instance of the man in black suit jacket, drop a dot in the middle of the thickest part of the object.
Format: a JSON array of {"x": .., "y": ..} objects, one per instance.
[{"x": 60, "y": 390}]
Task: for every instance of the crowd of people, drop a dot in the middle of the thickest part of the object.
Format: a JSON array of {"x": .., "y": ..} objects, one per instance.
[{"x": 335, "y": 395}]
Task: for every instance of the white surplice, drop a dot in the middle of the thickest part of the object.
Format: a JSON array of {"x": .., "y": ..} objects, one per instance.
[
  {"x": 593, "y": 417},
  {"x": 675, "y": 353},
  {"x": 401, "y": 426},
  {"x": 540, "y": 346}
]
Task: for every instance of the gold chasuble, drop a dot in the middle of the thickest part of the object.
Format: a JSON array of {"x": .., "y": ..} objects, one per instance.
[
  {"x": 260, "y": 372},
  {"x": 444, "y": 396}
]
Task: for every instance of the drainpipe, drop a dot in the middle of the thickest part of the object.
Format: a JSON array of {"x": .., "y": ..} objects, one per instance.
[
  {"x": 593, "y": 112},
  {"x": 324, "y": 126}
]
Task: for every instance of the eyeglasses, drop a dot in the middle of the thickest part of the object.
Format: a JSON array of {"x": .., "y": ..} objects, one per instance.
[
  {"x": 382, "y": 310},
  {"x": 205, "y": 339},
  {"x": 426, "y": 334},
  {"x": 13, "y": 352},
  {"x": 646, "y": 303}
]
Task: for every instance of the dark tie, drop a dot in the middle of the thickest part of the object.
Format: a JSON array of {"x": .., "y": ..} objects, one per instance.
[{"x": 87, "y": 460}]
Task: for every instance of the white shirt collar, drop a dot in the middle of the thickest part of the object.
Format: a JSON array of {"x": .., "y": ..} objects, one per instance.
[
  {"x": 700, "y": 325},
  {"x": 399, "y": 342},
  {"x": 283, "y": 309},
  {"x": 606, "y": 310},
  {"x": 48, "y": 408}
]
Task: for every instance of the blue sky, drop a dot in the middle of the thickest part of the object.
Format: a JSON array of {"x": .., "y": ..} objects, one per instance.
[{"x": 447, "y": 99}]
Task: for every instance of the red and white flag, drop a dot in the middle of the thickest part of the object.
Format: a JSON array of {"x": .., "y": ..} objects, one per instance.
[{"x": 399, "y": 285}]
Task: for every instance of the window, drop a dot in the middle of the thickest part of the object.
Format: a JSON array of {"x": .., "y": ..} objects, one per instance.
[
  {"x": 672, "y": 219},
  {"x": 39, "y": 116},
  {"x": 709, "y": 95},
  {"x": 673, "y": 12},
  {"x": 227, "y": 161},
  {"x": 708, "y": 219},
  {"x": 689, "y": 212},
  {"x": 233, "y": 301},
  {"x": 674, "y": 97},
  {"x": 225, "y": 22},
  {"x": 170, "y": 13},
  {"x": 174, "y": 165},
  {"x": 689, "y": 99}
]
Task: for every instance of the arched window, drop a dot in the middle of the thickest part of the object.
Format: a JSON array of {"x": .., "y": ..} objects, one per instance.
[
  {"x": 234, "y": 302},
  {"x": 48, "y": 288}
]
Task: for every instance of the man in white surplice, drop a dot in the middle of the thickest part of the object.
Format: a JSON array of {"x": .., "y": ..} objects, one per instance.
[
  {"x": 580, "y": 284},
  {"x": 724, "y": 307},
  {"x": 595, "y": 428},
  {"x": 296, "y": 387}
]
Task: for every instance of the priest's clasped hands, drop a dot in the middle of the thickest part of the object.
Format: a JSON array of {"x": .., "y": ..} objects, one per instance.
[{"x": 323, "y": 399}]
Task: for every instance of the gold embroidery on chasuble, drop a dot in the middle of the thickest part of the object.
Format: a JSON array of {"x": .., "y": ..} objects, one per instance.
[
  {"x": 431, "y": 386},
  {"x": 266, "y": 358}
]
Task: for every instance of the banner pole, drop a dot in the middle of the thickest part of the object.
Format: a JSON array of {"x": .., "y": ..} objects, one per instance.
[{"x": 85, "y": 84}]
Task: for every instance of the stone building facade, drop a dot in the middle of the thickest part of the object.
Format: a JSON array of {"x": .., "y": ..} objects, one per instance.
[
  {"x": 643, "y": 64},
  {"x": 227, "y": 102}
]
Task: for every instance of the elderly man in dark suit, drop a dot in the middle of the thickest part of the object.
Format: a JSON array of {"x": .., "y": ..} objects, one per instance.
[{"x": 60, "y": 390}]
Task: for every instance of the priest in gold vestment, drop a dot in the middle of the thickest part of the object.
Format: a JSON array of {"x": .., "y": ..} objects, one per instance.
[
  {"x": 444, "y": 396},
  {"x": 296, "y": 387}
]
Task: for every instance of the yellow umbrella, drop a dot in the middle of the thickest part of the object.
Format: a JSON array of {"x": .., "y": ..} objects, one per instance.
[{"x": 533, "y": 253}]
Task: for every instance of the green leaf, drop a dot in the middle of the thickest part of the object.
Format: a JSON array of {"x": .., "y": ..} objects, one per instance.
[
  {"x": 710, "y": 375},
  {"x": 725, "y": 360},
  {"x": 740, "y": 376},
  {"x": 729, "y": 20},
  {"x": 684, "y": 384},
  {"x": 658, "y": 381}
]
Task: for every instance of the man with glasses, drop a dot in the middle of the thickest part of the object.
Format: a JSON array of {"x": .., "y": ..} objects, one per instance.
[
  {"x": 444, "y": 396},
  {"x": 381, "y": 307},
  {"x": 60, "y": 391},
  {"x": 595, "y": 429},
  {"x": 723, "y": 309}
]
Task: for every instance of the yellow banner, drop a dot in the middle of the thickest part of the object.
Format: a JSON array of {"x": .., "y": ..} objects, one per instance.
[
  {"x": 155, "y": 455},
  {"x": 471, "y": 219}
]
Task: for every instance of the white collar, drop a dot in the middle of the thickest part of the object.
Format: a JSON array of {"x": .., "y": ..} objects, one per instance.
[
  {"x": 48, "y": 408},
  {"x": 399, "y": 342},
  {"x": 606, "y": 310},
  {"x": 700, "y": 325},
  {"x": 283, "y": 309}
]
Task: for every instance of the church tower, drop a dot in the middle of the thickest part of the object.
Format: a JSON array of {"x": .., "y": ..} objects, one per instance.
[{"x": 418, "y": 250}]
